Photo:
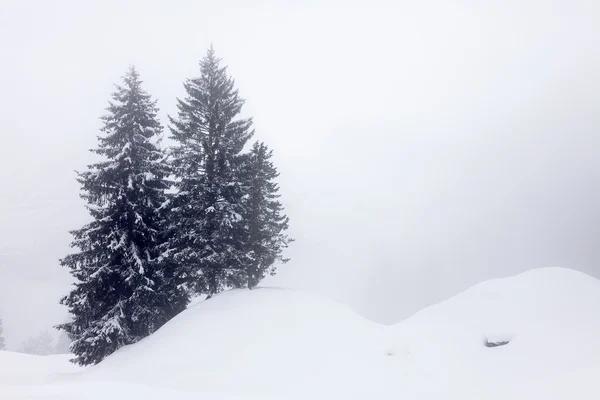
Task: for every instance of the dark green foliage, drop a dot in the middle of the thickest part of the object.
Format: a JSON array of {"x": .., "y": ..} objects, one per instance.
[
  {"x": 123, "y": 291},
  {"x": 145, "y": 252},
  {"x": 263, "y": 217},
  {"x": 206, "y": 213}
]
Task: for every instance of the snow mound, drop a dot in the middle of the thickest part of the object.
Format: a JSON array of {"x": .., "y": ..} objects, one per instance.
[
  {"x": 27, "y": 369},
  {"x": 249, "y": 342},
  {"x": 274, "y": 343},
  {"x": 550, "y": 319}
]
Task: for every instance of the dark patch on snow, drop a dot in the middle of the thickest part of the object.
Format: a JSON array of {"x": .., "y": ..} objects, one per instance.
[{"x": 496, "y": 343}]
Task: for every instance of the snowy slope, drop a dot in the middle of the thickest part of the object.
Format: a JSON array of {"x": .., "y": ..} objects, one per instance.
[
  {"x": 274, "y": 343},
  {"x": 551, "y": 316},
  {"x": 250, "y": 341}
]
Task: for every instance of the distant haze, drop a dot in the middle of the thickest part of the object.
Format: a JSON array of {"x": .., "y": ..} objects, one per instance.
[{"x": 423, "y": 145}]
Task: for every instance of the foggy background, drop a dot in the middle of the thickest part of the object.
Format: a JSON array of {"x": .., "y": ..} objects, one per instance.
[{"x": 423, "y": 146}]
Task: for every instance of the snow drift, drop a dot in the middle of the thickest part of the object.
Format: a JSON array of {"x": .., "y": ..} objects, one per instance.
[{"x": 274, "y": 343}]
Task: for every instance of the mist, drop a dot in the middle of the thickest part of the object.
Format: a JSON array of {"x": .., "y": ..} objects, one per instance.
[{"x": 423, "y": 146}]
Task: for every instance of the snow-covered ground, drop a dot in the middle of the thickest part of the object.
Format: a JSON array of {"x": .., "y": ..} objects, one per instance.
[{"x": 275, "y": 343}]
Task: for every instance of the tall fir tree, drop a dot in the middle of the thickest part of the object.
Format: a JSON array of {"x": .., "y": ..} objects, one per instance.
[
  {"x": 2, "y": 344},
  {"x": 206, "y": 212},
  {"x": 123, "y": 292},
  {"x": 264, "y": 219}
]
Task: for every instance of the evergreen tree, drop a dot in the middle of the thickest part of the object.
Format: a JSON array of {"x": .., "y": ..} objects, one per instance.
[
  {"x": 2, "y": 344},
  {"x": 206, "y": 212},
  {"x": 263, "y": 216},
  {"x": 122, "y": 292}
]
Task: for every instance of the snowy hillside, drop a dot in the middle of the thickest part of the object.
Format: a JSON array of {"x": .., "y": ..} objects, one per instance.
[{"x": 274, "y": 343}]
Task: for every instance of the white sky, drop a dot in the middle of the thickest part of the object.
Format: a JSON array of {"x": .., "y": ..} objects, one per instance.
[{"x": 423, "y": 145}]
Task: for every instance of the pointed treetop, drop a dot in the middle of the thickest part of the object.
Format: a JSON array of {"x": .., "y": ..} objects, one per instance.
[
  {"x": 210, "y": 53},
  {"x": 132, "y": 78},
  {"x": 210, "y": 62},
  {"x": 132, "y": 72}
]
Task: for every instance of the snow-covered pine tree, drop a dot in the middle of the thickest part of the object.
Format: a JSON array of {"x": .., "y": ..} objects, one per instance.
[
  {"x": 2, "y": 344},
  {"x": 122, "y": 292},
  {"x": 206, "y": 227},
  {"x": 263, "y": 216}
]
